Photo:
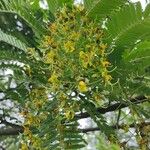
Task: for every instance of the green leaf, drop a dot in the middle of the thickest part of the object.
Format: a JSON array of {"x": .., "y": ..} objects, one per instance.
[
  {"x": 122, "y": 22},
  {"x": 133, "y": 70},
  {"x": 24, "y": 10},
  {"x": 99, "y": 9},
  {"x": 138, "y": 58},
  {"x": 75, "y": 147},
  {"x": 125, "y": 28},
  {"x": 140, "y": 53},
  {"x": 9, "y": 39},
  {"x": 147, "y": 11},
  {"x": 56, "y": 4}
]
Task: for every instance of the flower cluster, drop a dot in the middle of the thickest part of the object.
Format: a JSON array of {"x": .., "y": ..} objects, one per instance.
[
  {"x": 74, "y": 50},
  {"x": 33, "y": 118},
  {"x": 76, "y": 59}
]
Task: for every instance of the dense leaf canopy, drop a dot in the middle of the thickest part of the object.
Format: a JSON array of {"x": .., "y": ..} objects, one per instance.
[{"x": 64, "y": 62}]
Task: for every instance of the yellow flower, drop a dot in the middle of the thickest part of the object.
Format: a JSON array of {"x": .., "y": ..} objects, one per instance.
[
  {"x": 49, "y": 57},
  {"x": 82, "y": 87},
  {"x": 69, "y": 114},
  {"x": 105, "y": 63},
  {"x": 74, "y": 35},
  {"x": 30, "y": 119},
  {"x": 31, "y": 52},
  {"x": 53, "y": 79},
  {"x": 48, "y": 41},
  {"x": 106, "y": 76},
  {"x": 63, "y": 96},
  {"x": 102, "y": 49},
  {"x": 38, "y": 104},
  {"x": 24, "y": 146},
  {"x": 53, "y": 27},
  {"x": 97, "y": 97},
  {"x": 54, "y": 82},
  {"x": 27, "y": 70},
  {"x": 27, "y": 131},
  {"x": 103, "y": 46},
  {"x": 24, "y": 113},
  {"x": 65, "y": 28},
  {"x": 36, "y": 142},
  {"x": 86, "y": 58},
  {"x": 69, "y": 46}
]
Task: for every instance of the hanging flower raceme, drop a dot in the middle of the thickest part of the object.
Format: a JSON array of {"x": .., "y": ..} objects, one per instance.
[
  {"x": 79, "y": 53},
  {"x": 76, "y": 59},
  {"x": 33, "y": 118}
]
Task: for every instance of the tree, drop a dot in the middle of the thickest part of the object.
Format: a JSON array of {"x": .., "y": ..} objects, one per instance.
[{"x": 70, "y": 62}]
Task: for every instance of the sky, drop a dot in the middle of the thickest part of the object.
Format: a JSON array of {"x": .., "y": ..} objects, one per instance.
[{"x": 143, "y": 2}]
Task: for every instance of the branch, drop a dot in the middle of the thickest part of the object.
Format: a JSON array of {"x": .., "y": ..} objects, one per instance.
[
  {"x": 2, "y": 148},
  {"x": 133, "y": 125},
  {"x": 9, "y": 123},
  {"x": 11, "y": 131},
  {"x": 19, "y": 129},
  {"x": 4, "y": 98},
  {"x": 114, "y": 107},
  {"x": 16, "y": 129}
]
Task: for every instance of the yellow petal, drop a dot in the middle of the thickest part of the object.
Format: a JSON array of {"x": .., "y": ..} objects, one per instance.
[
  {"x": 24, "y": 146},
  {"x": 105, "y": 63},
  {"x": 69, "y": 114},
  {"x": 53, "y": 78},
  {"x": 82, "y": 87}
]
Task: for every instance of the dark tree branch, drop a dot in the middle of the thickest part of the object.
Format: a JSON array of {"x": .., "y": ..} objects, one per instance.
[
  {"x": 4, "y": 98},
  {"x": 9, "y": 123},
  {"x": 16, "y": 129},
  {"x": 11, "y": 131},
  {"x": 133, "y": 125},
  {"x": 2, "y": 148},
  {"x": 114, "y": 107},
  {"x": 19, "y": 129},
  {"x": 10, "y": 128}
]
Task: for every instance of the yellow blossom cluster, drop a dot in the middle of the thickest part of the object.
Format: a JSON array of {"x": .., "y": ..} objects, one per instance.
[
  {"x": 74, "y": 49},
  {"x": 33, "y": 116},
  {"x": 69, "y": 46},
  {"x": 82, "y": 87},
  {"x": 24, "y": 146},
  {"x": 66, "y": 106},
  {"x": 49, "y": 57},
  {"x": 76, "y": 59},
  {"x": 86, "y": 58}
]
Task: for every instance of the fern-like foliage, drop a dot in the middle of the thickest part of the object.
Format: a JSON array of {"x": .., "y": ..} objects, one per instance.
[
  {"x": 24, "y": 9},
  {"x": 136, "y": 64},
  {"x": 126, "y": 29},
  {"x": 12, "y": 41},
  {"x": 127, "y": 26},
  {"x": 101, "y": 9},
  {"x": 64, "y": 135},
  {"x": 56, "y": 4},
  {"x": 139, "y": 54}
]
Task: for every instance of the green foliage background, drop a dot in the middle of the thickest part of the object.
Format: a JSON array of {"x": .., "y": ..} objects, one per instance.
[{"x": 51, "y": 114}]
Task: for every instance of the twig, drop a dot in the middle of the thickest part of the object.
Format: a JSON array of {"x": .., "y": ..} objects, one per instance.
[
  {"x": 114, "y": 107},
  {"x": 116, "y": 127}
]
